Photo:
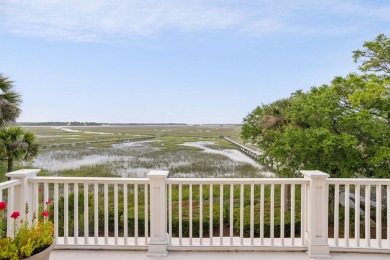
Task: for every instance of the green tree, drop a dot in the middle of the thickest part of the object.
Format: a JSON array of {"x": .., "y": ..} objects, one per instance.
[
  {"x": 375, "y": 56},
  {"x": 341, "y": 128},
  {"x": 17, "y": 145},
  {"x": 10, "y": 101}
]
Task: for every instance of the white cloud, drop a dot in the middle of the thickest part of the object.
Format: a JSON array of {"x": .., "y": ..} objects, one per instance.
[{"x": 89, "y": 20}]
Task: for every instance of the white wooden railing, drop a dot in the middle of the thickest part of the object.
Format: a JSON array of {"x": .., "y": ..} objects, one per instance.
[
  {"x": 159, "y": 214},
  {"x": 367, "y": 203},
  {"x": 233, "y": 194},
  {"x": 98, "y": 199}
]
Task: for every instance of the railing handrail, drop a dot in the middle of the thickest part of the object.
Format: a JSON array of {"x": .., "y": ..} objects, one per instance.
[
  {"x": 90, "y": 180},
  {"x": 236, "y": 181},
  {"x": 332, "y": 181},
  {"x": 356, "y": 181},
  {"x": 9, "y": 184}
]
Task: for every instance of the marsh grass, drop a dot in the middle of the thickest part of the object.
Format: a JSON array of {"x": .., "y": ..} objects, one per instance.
[
  {"x": 137, "y": 161},
  {"x": 165, "y": 152}
]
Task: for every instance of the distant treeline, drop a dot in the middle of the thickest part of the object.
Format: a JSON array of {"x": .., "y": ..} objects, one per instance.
[
  {"x": 74, "y": 123},
  {"x": 60, "y": 124}
]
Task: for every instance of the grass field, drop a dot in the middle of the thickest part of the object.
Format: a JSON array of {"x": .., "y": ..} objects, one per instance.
[{"x": 204, "y": 153}]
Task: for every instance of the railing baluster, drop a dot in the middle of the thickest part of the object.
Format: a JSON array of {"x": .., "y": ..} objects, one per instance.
[
  {"x": 146, "y": 196},
  {"x": 262, "y": 214},
  {"x": 357, "y": 215},
  {"x": 282, "y": 213},
  {"x": 136, "y": 214},
  {"x": 180, "y": 214},
  {"x": 252, "y": 217},
  {"x": 346, "y": 215},
  {"x": 221, "y": 214},
  {"x": 200, "y": 213},
  {"x": 241, "y": 214},
  {"x": 292, "y": 214},
  {"x": 367, "y": 218},
  {"x": 388, "y": 214},
  {"x": 211, "y": 214},
  {"x": 66, "y": 206},
  {"x": 56, "y": 211},
  {"x": 96, "y": 212},
  {"x": 231, "y": 213},
  {"x": 378, "y": 215},
  {"x": 35, "y": 198},
  {"x": 10, "y": 198},
  {"x": 336, "y": 214},
  {"x": 45, "y": 194},
  {"x": 76, "y": 212},
  {"x": 105, "y": 213},
  {"x": 116, "y": 217},
  {"x": 170, "y": 212},
  {"x": 86, "y": 215},
  {"x": 190, "y": 213},
  {"x": 272, "y": 212},
  {"x": 125, "y": 214},
  {"x": 303, "y": 213}
]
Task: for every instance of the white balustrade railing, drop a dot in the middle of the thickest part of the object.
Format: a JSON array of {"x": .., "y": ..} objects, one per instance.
[
  {"x": 157, "y": 213},
  {"x": 236, "y": 213},
  {"x": 95, "y": 212},
  {"x": 361, "y": 216}
]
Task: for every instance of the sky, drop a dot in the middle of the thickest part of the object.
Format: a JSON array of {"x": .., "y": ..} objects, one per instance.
[{"x": 176, "y": 61}]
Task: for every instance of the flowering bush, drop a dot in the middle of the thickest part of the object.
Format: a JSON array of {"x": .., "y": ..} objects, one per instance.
[{"x": 28, "y": 239}]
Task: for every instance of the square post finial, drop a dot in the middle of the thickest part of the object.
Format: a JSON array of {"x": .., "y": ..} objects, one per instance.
[
  {"x": 316, "y": 230},
  {"x": 23, "y": 193},
  {"x": 158, "y": 241}
]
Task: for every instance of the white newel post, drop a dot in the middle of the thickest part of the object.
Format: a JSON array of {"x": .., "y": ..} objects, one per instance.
[
  {"x": 316, "y": 230},
  {"x": 158, "y": 241},
  {"x": 23, "y": 193}
]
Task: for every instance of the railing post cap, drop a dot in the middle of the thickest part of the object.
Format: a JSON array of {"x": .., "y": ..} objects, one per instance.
[
  {"x": 314, "y": 174},
  {"x": 23, "y": 173},
  {"x": 158, "y": 174}
]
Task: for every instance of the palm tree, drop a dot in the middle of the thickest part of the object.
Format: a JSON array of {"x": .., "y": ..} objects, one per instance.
[
  {"x": 17, "y": 144},
  {"x": 9, "y": 101}
]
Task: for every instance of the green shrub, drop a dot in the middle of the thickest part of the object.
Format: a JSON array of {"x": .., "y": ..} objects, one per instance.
[
  {"x": 267, "y": 223},
  {"x": 196, "y": 219}
]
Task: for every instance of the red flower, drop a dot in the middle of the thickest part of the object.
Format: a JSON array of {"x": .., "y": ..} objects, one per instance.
[
  {"x": 40, "y": 190},
  {"x": 15, "y": 214},
  {"x": 45, "y": 213},
  {"x": 48, "y": 202},
  {"x": 3, "y": 206}
]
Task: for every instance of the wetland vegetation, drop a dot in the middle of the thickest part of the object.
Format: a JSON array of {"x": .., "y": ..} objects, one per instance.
[{"x": 183, "y": 150}]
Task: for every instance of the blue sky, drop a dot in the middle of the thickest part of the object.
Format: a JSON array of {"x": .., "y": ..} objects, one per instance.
[{"x": 184, "y": 61}]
